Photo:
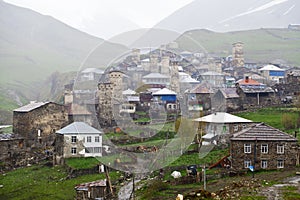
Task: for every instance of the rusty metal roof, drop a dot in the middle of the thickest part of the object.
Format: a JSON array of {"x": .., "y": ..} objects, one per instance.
[
  {"x": 85, "y": 186},
  {"x": 262, "y": 132}
]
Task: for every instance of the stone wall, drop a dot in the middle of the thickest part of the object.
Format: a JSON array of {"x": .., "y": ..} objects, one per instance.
[
  {"x": 39, "y": 125},
  {"x": 238, "y": 155}
]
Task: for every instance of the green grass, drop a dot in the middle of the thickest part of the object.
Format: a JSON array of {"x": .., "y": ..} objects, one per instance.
[
  {"x": 41, "y": 182},
  {"x": 272, "y": 117},
  {"x": 262, "y": 45},
  {"x": 82, "y": 163},
  {"x": 190, "y": 159}
]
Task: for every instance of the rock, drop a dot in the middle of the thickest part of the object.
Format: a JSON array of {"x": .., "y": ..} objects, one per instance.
[{"x": 179, "y": 197}]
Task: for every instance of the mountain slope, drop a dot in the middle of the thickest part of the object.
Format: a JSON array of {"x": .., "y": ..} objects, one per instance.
[
  {"x": 232, "y": 15},
  {"x": 33, "y": 45},
  {"x": 261, "y": 45}
]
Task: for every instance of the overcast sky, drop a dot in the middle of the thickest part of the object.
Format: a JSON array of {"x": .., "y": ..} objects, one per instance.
[{"x": 116, "y": 15}]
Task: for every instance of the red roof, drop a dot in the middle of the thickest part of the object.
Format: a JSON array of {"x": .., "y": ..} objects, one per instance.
[{"x": 249, "y": 81}]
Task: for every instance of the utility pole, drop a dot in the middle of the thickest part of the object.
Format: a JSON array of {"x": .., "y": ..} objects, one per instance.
[
  {"x": 108, "y": 180},
  {"x": 204, "y": 177}
]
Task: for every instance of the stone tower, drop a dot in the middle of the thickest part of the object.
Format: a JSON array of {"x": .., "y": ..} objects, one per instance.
[
  {"x": 174, "y": 75},
  {"x": 154, "y": 63},
  {"x": 165, "y": 65},
  {"x": 136, "y": 55},
  {"x": 109, "y": 96},
  {"x": 237, "y": 54}
]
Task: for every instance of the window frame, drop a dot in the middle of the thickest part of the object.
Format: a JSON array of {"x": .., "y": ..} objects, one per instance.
[
  {"x": 73, "y": 140},
  {"x": 281, "y": 148},
  {"x": 247, "y": 164},
  {"x": 264, "y": 164},
  {"x": 88, "y": 139},
  {"x": 74, "y": 151},
  {"x": 264, "y": 148},
  {"x": 97, "y": 138},
  {"x": 280, "y": 164},
  {"x": 247, "y": 148}
]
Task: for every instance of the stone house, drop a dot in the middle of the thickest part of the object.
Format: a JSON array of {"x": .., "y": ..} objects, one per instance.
[
  {"x": 199, "y": 98},
  {"x": 77, "y": 140},
  {"x": 12, "y": 149},
  {"x": 263, "y": 147},
  {"x": 219, "y": 126},
  {"x": 37, "y": 123},
  {"x": 215, "y": 79},
  {"x": 227, "y": 100},
  {"x": 255, "y": 93}
]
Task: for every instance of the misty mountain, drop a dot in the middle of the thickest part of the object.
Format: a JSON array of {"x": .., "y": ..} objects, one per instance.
[
  {"x": 32, "y": 46},
  {"x": 233, "y": 15}
]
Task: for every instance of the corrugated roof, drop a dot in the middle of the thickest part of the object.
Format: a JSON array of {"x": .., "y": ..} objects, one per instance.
[
  {"x": 211, "y": 73},
  {"x": 85, "y": 186},
  {"x": 248, "y": 81},
  {"x": 222, "y": 117},
  {"x": 271, "y": 68},
  {"x": 262, "y": 132},
  {"x": 94, "y": 70},
  {"x": 128, "y": 92},
  {"x": 155, "y": 75},
  {"x": 78, "y": 128},
  {"x": 164, "y": 91},
  {"x": 202, "y": 88},
  {"x": 9, "y": 136},
  {"x": 229, "y": 93},
  {"x": 188, "y": 80},
  {"x": 30, "y": 107}
]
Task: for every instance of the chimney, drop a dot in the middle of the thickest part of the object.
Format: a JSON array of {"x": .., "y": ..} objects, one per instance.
[{"x": 247, "y": 79}]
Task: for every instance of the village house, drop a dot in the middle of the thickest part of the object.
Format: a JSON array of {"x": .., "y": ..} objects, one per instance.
[
  {"x": 37, "y": 123},
  {"x": 91, "y": 74},
  {"x": 255, "y": 93},
  {"x": 215, "y": 79},
  {"x": 166, "y": 98},
  {"x": 77, "y": 140},
  {"x": 227, "y": 100},
  {"x": 263, "y": 147},
  {"x": 92, "y": 190},
  {"x": 199, "y": 98},
  {"x": 272, "y": 73},
  {"x": 219, "y": 126}
]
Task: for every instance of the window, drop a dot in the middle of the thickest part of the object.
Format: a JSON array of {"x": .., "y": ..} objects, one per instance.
[
  {"x": 97, "y": 139},
  {"x": 247, "y": 148},
  {"x": 89, "y": 139},
  {"x": 244, "y": 126},
  {"x": 247, "y": 163},
  {"x": 280, "y": 149},
  {"x": 264, "y": 164},
  {"x": 264, "y": 148},
  {"x": 73, "y": 151},
  {"x": 73, "y": 139},
  {"x": 89, "y": 150},
  {"x": 280, "y": 164},
  {"x": 97, "y": 149},
  {"x": 235, "y": 128}
]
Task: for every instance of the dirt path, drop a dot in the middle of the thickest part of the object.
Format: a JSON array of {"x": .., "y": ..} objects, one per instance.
[{"x": 275, "y": 192}]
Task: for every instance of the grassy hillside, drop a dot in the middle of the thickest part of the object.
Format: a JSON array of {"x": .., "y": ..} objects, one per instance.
[{"x": 262, "y": 45}]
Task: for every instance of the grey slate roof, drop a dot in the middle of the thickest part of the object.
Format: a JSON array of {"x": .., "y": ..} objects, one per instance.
[
  {"x": 30, "y": 107},
  {"x": 78, "y": 128},
  {"x": 262, "y": 132}
]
